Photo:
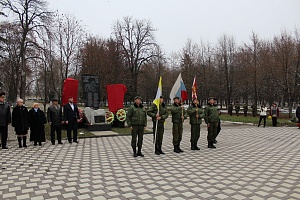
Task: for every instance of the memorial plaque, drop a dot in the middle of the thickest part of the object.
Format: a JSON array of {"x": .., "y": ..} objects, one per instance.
[{"x": 91, "y": 90}]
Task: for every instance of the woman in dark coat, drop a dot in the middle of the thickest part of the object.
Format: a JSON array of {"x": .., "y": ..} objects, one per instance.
[
  {"x": 20, "y": 122},
  {"x": 37, "y": 121}
]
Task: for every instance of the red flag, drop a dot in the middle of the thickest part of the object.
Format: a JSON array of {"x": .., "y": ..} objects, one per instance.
[
  {"x": 115, "y": 96},
  {"x": 70, "y": 89},
  {"x": 194, "y": 89}
]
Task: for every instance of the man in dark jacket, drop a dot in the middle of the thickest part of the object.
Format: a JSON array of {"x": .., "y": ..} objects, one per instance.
[
  {"x": 158, "y": 116},
  {"x": 196, "y": 114},
  {"x": 178, "y": 116},
  {"x": 211, "y": 117},
  {"x": 137, "y": 122},
  {"x": 54, "y": 116},
  {"x": 20, "y": 122},
  {"x": 5, "y": 120},
  {"x": 71, "y": 117}
]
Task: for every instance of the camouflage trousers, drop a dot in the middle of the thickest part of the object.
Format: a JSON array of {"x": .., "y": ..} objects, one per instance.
[
  {"x": 177, "y": 133},
  {"x": 195, "y": 133},
  {"x": 212, "y": 132},
  {"x": 137, "y": 134},
  {"x": 159, "y": 134}
]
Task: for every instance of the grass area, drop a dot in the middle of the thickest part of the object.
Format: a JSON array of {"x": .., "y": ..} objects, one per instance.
[
  {"x": 124, "y": 131},
  {"x": 64, "y": 132},
  {"x": 254, "y": 120},
  {"x": 121, "y": 131}
]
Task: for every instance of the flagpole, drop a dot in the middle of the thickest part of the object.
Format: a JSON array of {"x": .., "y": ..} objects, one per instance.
[{"x": 155, "y": 135}]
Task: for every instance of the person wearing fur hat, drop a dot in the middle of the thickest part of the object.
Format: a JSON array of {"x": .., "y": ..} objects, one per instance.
[
  {"x": 196, "y": 114},
  {"x": 178, "y": 116},
  {"x": 137, "y": 122},
  {"x": 20, "y": 122},
  {"x": 158, "y": 116},
  {"x": 54, "y": 116},
  {"x": 5, "y": 120}
]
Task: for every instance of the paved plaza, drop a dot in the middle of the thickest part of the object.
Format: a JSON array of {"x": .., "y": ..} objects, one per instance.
[{"x": 249, "y": 163}]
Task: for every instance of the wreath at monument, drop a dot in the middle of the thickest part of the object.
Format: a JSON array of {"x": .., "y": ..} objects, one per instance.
[
  {"x": 121, "y": 115},
  {"x": 109, "y": 117}
]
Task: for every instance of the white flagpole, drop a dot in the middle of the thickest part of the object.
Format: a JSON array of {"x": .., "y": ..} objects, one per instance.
[{"x": 155, "y": 135}]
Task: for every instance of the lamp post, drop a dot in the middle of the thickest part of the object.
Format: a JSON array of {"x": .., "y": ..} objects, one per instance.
[{"x": 45, "y": 87}]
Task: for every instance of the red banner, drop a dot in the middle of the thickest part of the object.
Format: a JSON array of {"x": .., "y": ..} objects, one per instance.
[
  {"x": 70, "y": 90},
  {"x": 115, "y": 96}
]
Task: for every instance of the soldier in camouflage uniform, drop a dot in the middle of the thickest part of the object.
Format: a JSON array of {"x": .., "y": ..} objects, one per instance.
[
  {"x": 230, "y": 108},
  {"x": 137, "y": 122},
  {"x": 245, "y": 109},
  {"x": 196, "y": 114},
  {"x": 237, "y": 108},
  {"x": 211, "y": 117},
  {"x": 159, "y": 117},
  {"x": 178, "y": 116},
  {"x": 254, "y": 110}
]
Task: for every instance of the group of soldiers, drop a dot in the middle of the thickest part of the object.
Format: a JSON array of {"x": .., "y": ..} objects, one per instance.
[
  {"x": 238, "y": 108},
  {"x": 137, "y": 121}
]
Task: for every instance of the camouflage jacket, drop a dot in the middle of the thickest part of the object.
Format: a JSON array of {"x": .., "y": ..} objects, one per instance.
[
  {"x": 211, "y": 114},
  {"x": 163, "y": 113},
  {"x": 136, "y": 116},
  {"x": 192, "y": 112},
  {"x": 177, "y": 113}
]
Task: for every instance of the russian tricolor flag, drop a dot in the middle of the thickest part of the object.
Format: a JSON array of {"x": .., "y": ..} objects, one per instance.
[{"x": 179, "y": 90}]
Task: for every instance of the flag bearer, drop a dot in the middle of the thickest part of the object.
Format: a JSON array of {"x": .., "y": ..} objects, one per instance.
[
  {"x": 159, "y": 117},
  {"x": 195, "y": 112}
]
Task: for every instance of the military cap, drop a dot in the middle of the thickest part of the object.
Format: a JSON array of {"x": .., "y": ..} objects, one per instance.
[
  {"x": 2, "y": 94},
  {"x": 211, "y": 98},
  {"x": 137, "y": 97},
  {"x": 176, "y": 98},
  {"x": 54, "y": 99}
]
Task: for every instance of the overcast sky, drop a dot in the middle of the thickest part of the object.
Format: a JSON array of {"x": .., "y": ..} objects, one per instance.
[{"x": 177, "y": 21}]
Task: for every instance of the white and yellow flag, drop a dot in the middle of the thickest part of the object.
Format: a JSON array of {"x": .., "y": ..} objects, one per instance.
[{"x": 158, "y": 94}]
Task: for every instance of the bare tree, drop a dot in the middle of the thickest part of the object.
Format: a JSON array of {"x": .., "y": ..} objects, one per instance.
[
  {"x": 252, "y": 52},
  {"x": 284, "y": 54},
  {"x": 227, "y": 51},
  {"x": 31, "y": 16},
  {"x": 70, "y": 36},
  {"x": 136, "y": 37},
  {"x": 10, "y": 63}
]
